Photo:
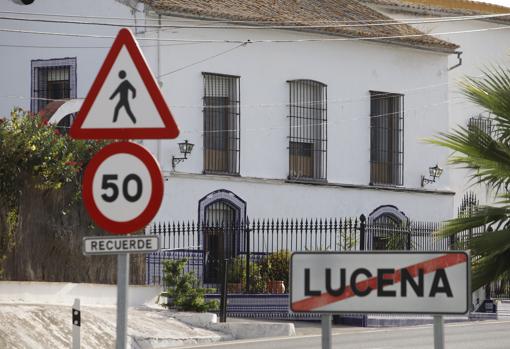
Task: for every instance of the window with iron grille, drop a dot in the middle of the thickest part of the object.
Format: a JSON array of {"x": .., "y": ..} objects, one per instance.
[
  {"x": 481, "y": 123},
  {"x": 308, "y": 130},
  {"x": 221, "y": 123},
  {"x": 386, "y": 138},
  {"x": 52, "y": 79}
]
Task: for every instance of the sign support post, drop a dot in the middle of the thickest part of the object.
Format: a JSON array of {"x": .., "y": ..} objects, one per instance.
[
  {"x": 438, "y": 332},
  {"x": 122, "y": 184},
  {"x": 122, "y": 294},
  {"x": 326, "y": 331}
]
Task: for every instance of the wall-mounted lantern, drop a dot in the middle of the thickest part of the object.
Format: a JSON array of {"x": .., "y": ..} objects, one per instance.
[
  {"x": 434, "y": 172},
  {"x": 185, "y": 148}
]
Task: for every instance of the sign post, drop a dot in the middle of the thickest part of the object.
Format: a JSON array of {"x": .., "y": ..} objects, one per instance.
[
  {"x": 122, "y": 185},
  {"x": 122, "y": 299},
  {"x": 401, "y": 282},
  {"x": 122, "y": 191},
  {"x": 326, "y": 331},
  {"x": 438, "y": 332}
]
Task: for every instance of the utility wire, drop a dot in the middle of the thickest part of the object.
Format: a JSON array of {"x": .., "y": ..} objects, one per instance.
[
  {"x": 89, "y": 47},
  {"x": 409, "y": 113},
  {"x": 342, "y": 101},
  {"x": 241, "y": 25},
  {"x": 322, "y": 39},
  {"x": 205, "y": 59},
  {"x": 255, "y": 22}
]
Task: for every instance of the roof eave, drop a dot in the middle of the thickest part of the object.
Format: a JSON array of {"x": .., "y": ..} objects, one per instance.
[{"x": 434, "y": 48}]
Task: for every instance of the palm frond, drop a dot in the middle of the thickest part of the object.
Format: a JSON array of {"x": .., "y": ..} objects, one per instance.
[
  {"x": 490, "y": 243},
  {"x": 481, "y": 217},
  {"x": 489, "y": 158},
  {"x": 492, "y": 92},
  {"x": 486, "y": 269}
]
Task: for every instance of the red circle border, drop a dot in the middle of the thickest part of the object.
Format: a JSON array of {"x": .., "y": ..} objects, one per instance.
[{"x": 156, "y": 197}]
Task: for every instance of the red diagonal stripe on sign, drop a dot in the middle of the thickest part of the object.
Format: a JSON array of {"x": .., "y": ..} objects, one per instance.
[{"x": 428, "y": 266}]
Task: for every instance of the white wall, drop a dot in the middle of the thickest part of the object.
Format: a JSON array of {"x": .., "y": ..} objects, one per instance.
[
  {"x": 277, "y": 199},
  {"x": 15, "y": 89},
  {"x": 349, "y": 69},
  {"x": 482, "y": 44}
]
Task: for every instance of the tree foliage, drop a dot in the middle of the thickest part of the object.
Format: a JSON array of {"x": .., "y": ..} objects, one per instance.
[
  {"x": 36, "y": 156},
  {"x": 33, "y": 151},
  {"x": 487, "y": 156}
]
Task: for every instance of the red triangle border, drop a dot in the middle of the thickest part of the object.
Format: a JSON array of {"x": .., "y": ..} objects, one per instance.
[{"x": 170, "y": 131}]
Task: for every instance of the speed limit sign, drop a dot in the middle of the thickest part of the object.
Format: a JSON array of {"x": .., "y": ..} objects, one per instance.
[{"x": 122, "y": 187}]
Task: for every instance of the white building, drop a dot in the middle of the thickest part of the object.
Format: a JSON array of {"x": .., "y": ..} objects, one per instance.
[
  {"x": 286, "y": 122},
  {"x": 482, "y": 33}
]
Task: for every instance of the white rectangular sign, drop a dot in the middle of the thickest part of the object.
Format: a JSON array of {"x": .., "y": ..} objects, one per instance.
[
  {"x": 380, "y": 282},
  {"x": 93, "y": 245}
]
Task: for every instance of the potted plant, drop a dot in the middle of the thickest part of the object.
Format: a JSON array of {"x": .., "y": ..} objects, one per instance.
[{"x": 276, "y": 271}]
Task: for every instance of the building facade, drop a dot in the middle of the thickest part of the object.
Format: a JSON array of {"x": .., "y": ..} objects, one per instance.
[
  {"x": 481, "y": 31},
  {"x": 285, "y": 121}
]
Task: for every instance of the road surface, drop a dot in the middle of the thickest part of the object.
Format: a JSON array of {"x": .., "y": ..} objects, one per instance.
[{"x": 490, "y": 334}]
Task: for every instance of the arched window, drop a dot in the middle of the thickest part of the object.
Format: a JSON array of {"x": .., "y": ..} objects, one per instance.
[{"x": 387, "y": 229}]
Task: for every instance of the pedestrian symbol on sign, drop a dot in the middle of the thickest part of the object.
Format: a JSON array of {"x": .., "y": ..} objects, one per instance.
[
  {"x": 125, "y": 101},
  {"x": 123, "y": 90}
]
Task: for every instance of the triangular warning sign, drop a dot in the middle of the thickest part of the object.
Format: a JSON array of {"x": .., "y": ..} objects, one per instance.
[{"x": 124, "y": 100}]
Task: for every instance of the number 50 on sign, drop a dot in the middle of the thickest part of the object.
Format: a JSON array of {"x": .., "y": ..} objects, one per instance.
[{"x": 122, "y": 187}]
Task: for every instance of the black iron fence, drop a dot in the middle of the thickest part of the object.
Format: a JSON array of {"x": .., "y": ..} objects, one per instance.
[{"x": 257, "y": 252}]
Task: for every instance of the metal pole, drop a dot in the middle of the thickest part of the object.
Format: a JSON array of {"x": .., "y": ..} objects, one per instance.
[
  {"x": 326, "y": 331},
  {"x": 76, "y": 324},
  {"x": 122, "y": 295},
  {"x": 223, "y": 297},
  {"x": 248, "y": 257},
  {"x": 438, "y": 332}
]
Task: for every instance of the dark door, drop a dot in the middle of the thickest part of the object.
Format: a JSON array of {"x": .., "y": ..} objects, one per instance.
[{"x": 220, "y": 238}]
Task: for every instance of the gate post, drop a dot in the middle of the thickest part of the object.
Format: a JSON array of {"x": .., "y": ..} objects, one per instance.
[
  {"x": 362, "y": 232},
  {"x": 223, "y": 290},
  {"x": 247, "y": 232}
]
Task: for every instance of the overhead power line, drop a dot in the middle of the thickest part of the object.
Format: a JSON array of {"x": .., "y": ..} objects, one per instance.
[
  {"x": 257, "y": 22},
  {"x": 89, "y": 47},
  {"x": 205, "y": 59},
  {"x": 318, "y": 39},
  {"x": 241, "y": 25}
]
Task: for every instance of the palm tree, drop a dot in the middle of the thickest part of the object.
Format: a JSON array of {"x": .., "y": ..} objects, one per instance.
[{"x": 487, "y": 155}]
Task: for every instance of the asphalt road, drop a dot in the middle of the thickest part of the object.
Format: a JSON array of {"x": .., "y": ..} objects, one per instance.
[{"x": 464, "y": 335}]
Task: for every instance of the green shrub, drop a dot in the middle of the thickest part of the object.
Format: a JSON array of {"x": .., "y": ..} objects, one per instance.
[
  {"x": 276, "y": 266},
  {"x": 236, "y": 273},
  {"x": 183, "y": 290}
]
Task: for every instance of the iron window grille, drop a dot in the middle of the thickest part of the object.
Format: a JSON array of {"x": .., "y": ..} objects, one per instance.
[
  {"x": 221, "y": 124},
  {"x": 386, "y": 138},
  {"x": 52, "y": 79},
  {"x": 308, "y": 130},
  {"x": 481, "y": 123}
]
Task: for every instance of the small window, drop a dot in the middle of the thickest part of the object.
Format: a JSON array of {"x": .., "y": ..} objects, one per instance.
[
  {"x": 308, "y": 130},
  {"x": 386, "y": 138},
  {"x": 481, "y": 123},
  {"x": 221, "y": 124},
  {"x": 52, "y": 79}
]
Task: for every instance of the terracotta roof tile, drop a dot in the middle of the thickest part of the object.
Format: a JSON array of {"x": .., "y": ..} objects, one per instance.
[
  {"x": 448, "y": 7},
  {"x": 303, "y": 12}
]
